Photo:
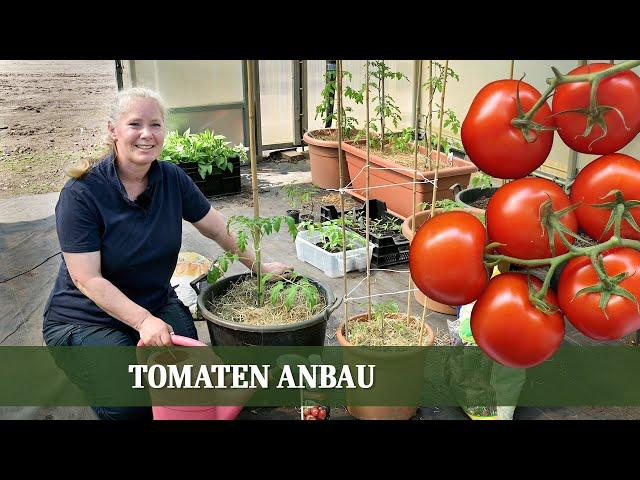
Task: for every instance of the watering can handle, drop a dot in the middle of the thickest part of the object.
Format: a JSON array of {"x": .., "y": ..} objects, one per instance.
[
  {"x": 181, "y": 342},
  {"x": 455, "y": 188},
  {"x": 195, "y": 284}
]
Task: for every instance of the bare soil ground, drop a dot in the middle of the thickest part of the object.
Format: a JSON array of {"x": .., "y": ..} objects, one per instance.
[{"x": 52, "y": 112}]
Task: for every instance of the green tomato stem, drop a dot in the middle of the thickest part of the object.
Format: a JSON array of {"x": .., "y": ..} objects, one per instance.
[
  {"x": 560, "y": 79},
  {"x": 620, "y": 208},
  {"x": 553, "y": 262},
  {"x": 602, "y": 275}
]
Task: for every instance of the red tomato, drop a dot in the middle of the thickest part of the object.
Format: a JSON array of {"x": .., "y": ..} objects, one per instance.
[
  {"x": 513, "y": 218},
  {"x": 509, "y": 329},
  {"x": 306, "y": 411},
  {"x": 615, "y": 171},
  {"x": 314, "y": 411},
  {"x": 310, "y": 417},
  {"x": 584, "y": 311},
  {"x": 446, "y": 258},
  {"x": 322, "y": 414},
  {"x": 621, "y": 91},
  {"x": 492, "y": 143}
]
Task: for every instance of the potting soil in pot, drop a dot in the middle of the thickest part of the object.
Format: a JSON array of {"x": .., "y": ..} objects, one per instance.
[
  {"x": 334, "y": 199},
  {"x": 239, "y": 304},
  {"x": 405, "y": 159},
  {"x": 481, "y": 203},
  {"x": 397, "y": 332}
]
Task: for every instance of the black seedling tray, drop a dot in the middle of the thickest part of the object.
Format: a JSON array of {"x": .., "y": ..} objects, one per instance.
[
  {"x": 391, "y": 248},
  {"x": 216, "y": 184}
]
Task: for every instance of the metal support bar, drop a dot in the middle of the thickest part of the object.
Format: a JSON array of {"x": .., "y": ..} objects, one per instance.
[
  {"x": 304, "y": 111},
  {"x": 297, "y": 102},
  {"x": 119, "y": 74}
]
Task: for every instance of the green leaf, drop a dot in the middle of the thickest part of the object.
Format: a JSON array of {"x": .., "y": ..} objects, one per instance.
[
  {"x": 243, "y": 239},
  {"x": 214, "y": 274},
  {"x": 290, "y": 297},
  {"x": 310, "y": 293},
  {"x": 276, "y": 223},
  {"x": 265, "y": 278},
  {"x": 275, "y": 292},
  {"x": 223, "y": 263},
  {"x": 291, "y": 224}
]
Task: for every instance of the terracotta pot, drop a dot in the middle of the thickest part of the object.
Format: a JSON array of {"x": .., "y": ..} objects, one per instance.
[
  {"x": 323, "y": 157},
  {"x": 390, "y": 412},
  {"x": 399, "y": 198},
  {"x": 407, "y": 225}
]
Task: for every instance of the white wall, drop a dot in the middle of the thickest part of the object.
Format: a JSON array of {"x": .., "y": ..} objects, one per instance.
[{"x": 190, "y": 83}]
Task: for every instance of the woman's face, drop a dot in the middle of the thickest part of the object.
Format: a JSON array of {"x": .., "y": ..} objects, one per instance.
[{"x": 139, "y": 133}]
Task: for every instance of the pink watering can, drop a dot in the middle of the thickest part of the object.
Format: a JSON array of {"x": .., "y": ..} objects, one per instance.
[{"x": 200, "y": 412}]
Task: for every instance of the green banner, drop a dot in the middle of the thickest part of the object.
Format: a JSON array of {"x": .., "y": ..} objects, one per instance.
[{"x": 279, "y": 376}]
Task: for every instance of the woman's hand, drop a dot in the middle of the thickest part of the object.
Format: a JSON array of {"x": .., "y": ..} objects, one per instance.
[
  {"x": 154, "y": 332},
  {"x": 277, "y": 269}
]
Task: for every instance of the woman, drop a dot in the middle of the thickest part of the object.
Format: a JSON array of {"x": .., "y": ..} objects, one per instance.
[{"x": 119, "y": 222}]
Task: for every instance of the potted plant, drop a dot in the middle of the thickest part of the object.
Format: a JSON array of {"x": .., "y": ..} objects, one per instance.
[
  {"x": 323, "y": 142},
  {"x": 391, "y": 155},
  {"x": 209, "y": 160},
  {"x": 385, "y": 231},
  {"x": 321, "y": 245},
  {"x": 249, "y": 309},
  {"x": 301, "y": 200},
  {"x": 420, "y": 218},
  {"x": 478, "y": 193},
  {"x": 386, "y": 327}
]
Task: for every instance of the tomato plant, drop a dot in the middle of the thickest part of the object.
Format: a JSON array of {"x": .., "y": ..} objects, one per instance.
[
  {"x": 446, "y": 258},
  {"x": 620, "y": 315},
  {"x": 493, "y": 144},
  {"x": 615, "y": 171},
  {"x": 514, "y": 218},
  {"x": 608, "y": 134},
  {"x": 509, "y": 328}
]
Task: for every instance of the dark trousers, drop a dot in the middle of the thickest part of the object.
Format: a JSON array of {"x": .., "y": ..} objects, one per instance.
[{"x": 64, "y": 334}]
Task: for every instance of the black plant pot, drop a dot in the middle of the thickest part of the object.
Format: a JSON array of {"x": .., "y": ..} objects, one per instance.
[
  {"x": 220, "y": 183},
  {"x": 295, "y": 214},
  {"x": 471, "y": 195},
  {"x": 309, "y": 332}
]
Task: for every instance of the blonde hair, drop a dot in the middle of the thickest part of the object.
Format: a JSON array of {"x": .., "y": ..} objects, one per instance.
[{"x": 118, "y": 108}]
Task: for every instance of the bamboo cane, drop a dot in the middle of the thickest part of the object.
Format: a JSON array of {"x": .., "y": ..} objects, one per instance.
[
  {"x": 254, "y": 169},
  {"x": 417, "y": 80},
  {"x": 341, "y": 168},
  {"x": 367, "y": 208}
]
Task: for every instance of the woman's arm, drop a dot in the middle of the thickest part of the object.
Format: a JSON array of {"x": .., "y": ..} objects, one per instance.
[
  {"x": 84, "y": 269},
  {"x": 214, "y": 226}
]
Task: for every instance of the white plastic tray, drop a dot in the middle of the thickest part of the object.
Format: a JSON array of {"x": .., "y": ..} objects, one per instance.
[{"x": 331, "y": 263}]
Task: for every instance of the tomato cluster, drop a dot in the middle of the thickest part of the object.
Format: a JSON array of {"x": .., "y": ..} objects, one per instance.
[
  {"x": 315, "y": 413},
  {"x": 517, "y": 320}
]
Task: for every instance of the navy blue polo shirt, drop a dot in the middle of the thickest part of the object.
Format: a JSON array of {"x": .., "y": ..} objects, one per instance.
[{"x": 139, "y": 240}]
